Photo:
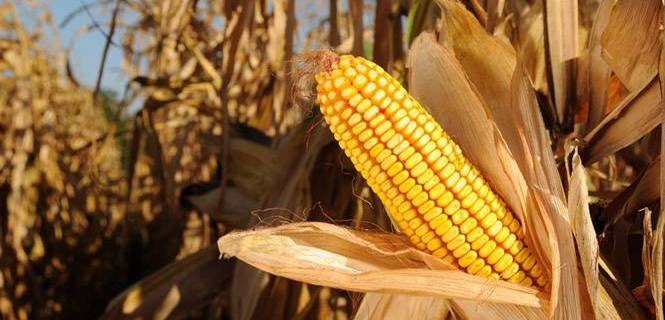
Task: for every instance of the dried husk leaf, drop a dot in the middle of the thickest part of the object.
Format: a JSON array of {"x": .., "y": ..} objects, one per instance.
[
  {"x": 174, "y": 291},
  {"x": 585, "y": 235},
  {"x": 616, "y": 301},
  {"x": 494, "y": 12},
  {"x": 599, "y": 71},
  {"x": 656, "y": 281},
  {"x": 401, "y": 306},
  {"x": 561, "y": 25},
  {"x": 525, "y": 134},
  {"x": 441, "y": 85},
  {"x": 546, "y": 191},
  {"x": 246, "y": 288},
  {"x": 648, "y": 250},
  {"x": 295, "y": 155},
  {"x": 490, "y": 74},
  {"x": 643, "y": 191},
  {"x": 631, "y": 43},
  {"x": 329, "y": 255},
  {"x": 489, "y": 311},
  {"x": 531, "y": 45},
  {"x": 636, "y": 115}
]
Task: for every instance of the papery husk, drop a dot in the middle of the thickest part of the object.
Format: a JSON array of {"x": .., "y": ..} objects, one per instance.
[
  {"x": 656, "y": 272},
  {"x": 616, "y": 301},
  {"x": 531, "y": 44},
  {"x": 599, "y": 71},
  {"x": 635, "y": 116},
  {"x": 329, "y": 255},
  {"x": 546, "y": 193},
  {"x": 439, "y": 83},
  {"x": 174, "y": 291},
  {"x": 296, "y": 154},
  {"x": 648, "y": 252},
  {"x": 473, "y": 310},
  {"x": 471, "y": 43},
  {"x": 585, "y": 235},
  {"x": 494, "y": 12},
  {"x": 401, "y": 306},
  {"x": 631, "y": 43},
  {"x": 490, "y": 74},
  {"x": 631, "y": 47},
  {"x": 644, "y": 190},
  {"x": 561, "y": 29}
]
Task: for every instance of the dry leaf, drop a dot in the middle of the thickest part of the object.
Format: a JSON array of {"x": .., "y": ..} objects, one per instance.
[
  {"x": 494, "y": 12},
  {"x": 645, "y": 190},
  {"x": 329, "y": 255},
  {"x": 585, "y": 235},
  {"x": 547, "y": 198},
  {"x": 175, "y": 291},
  {"x": 490, "y": 74},
  {"x": 531, "y": 43},
  {"x": 631, "y": 43},
  {"x": 562, "y": 38},
  {"x": 633, "y": 118},
  {"x": 438, "y": 82},
  {"x": 375, "y": 306},
  {"x": 599, "y": 71}
]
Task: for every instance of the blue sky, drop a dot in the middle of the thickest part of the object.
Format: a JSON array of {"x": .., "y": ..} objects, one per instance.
[{"x": 86, "y": 49}]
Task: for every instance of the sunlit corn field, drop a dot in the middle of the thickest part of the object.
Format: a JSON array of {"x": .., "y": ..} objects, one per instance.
[{"x": 325, "y": 159}]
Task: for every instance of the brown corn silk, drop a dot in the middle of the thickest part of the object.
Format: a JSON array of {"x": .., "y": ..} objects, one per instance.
[{"x": 431, "y": 192}]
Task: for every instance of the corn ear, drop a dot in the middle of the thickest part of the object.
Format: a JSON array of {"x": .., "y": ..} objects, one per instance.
[{"x": 432, "y": 193}]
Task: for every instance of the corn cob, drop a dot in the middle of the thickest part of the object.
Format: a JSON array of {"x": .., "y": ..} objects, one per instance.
[{"x": 431, "y": 192}]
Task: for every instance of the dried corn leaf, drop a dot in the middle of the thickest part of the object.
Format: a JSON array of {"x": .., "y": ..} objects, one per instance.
[
  {"x": 546, "y": 196},
  {"x": 585, "y": 235},
  {"x": 525, "y": 133},
  {"x": 438, "y": 82},
  {"x": 325, "y": 254},
  {"x": 173, "y": 292},
  {"x": 631, "y": 43},
  {"x": 295, "y": 157},
  {"x": 531, "y": 45},
  {"x": 645, "y": 190},
  {"x": 491, "y": 311},
  {"x": 494, "y": 12},
  {"x": 401, "y": 306},
  {"x": 616, "y": 302},
  {"x": 636, "y": 116},
  {"x": 599, "y": 71},
  {"x": 656, "y": 272},
  {"x": 490, "y": 74},
  {"x": 246, "y": 288},
  {"x": 561, "y": 25}
]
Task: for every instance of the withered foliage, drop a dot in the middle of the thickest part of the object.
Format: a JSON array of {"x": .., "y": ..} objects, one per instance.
[
  {"x": 114, "y": 213},
  {"x": 62, "y": 186}
]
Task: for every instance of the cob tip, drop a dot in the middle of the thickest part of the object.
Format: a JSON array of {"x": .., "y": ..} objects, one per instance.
[{"x": 305, "y": 67}]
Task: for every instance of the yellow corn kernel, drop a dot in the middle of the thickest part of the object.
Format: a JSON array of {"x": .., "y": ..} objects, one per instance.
[
  {"x": 467, "y": 259},
  {"x": 476, "y": 266}
]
